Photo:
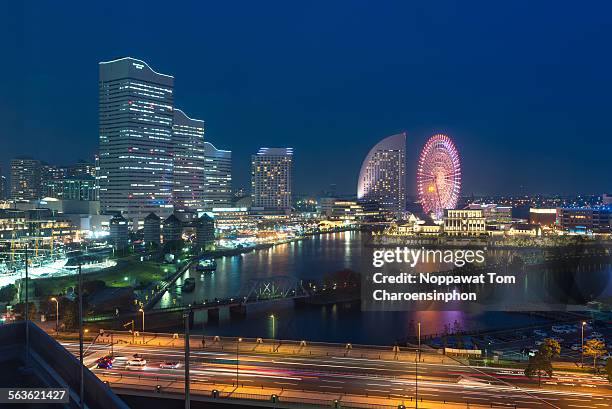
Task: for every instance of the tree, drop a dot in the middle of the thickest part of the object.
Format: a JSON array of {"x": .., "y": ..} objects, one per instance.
[
  {"x": 8, "y": 293},
  {"x": 19, "y": 308},
  {"x": 68, "y": 313},
  {"x": 551, "y": 347},
  {"x": 609, "y": 369},
  {"x": 594, "y": 348},
  {"x": 541, "y": 363}
]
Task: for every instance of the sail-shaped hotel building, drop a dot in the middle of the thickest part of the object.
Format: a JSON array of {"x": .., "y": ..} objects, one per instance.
[{"x": 382, "y": 178}]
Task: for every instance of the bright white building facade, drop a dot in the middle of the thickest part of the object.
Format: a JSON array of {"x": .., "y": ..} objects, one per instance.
[
  {"x": 217, "y": 177},
  {"x": 189, "y": 163},
  {"x": 135, "y": 130},
  {"x": 272, "y": 179},
  {"x": 382, "y": 177}
]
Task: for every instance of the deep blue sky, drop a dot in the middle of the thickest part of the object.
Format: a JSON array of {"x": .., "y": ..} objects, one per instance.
[{"x": 523, "y": 87}]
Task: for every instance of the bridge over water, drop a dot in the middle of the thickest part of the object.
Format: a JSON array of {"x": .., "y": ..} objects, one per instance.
[{"x": 255, "y": 295}]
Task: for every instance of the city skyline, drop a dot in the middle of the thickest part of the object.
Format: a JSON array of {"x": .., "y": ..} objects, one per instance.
[
  {"x": 521, "y": 105},
  {"x": 319, "y": 204}
]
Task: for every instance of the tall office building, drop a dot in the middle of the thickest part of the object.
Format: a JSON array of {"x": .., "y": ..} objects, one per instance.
[
  {"x": 25, "y": 179},
  {"x": 188, "y": 151},
  {"x": 135, "y": 126},
  {"x": 217, "y": 177},
  {"x": 382, "y": 178},
  {"x": 49, "y": 176},
  {"x": 82, "y": 168},
  {"x": 271, "y": 179}
]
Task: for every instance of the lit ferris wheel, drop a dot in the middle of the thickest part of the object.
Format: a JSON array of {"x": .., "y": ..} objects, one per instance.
[{"x": 439, "y": 175}]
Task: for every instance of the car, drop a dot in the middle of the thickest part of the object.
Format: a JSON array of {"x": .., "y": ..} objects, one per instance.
[
  {"x": 106, "y": 362},
  {"x": 576, "y": 347},
  {"x": 540, "y": 333},
  {"x": 170, "y": 365},
  {"x": 596, "y": 334},
  {"x": 137, "y": 360}
]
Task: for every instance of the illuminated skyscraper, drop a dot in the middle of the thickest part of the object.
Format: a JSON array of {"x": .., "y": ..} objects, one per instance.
[
  {"x": 217, "y": 177},
  {"x": 188, "y": 150},
  {"x": 82, "y": 168},
  {"x": 50, "y": 175},
  {"x": 25, "y": 179},
  {"x": 271, "y": 179},
  {"x": 135, "y": 126},
  {"x": 382, "y": 178}
]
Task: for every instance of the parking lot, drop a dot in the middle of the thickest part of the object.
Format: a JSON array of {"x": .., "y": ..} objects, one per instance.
[{"x": 517, "y": 343}]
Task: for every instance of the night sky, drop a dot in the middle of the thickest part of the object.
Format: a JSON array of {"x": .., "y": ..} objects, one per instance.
[{"x": 524, "y": 88}]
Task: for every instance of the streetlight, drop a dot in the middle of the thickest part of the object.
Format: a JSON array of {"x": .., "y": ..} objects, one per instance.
[
  {"x": 142, "y": 311},
  {"x": 416, "y": 371},
  {"x": 582, "y": 345},
  {"x": 56, "y": 314},
  {"x": 187, "y": 317},
  {"x": 273, "y": 330},
  {"x": 238, "y": 341},
  {"x": 130, "y": 323}
]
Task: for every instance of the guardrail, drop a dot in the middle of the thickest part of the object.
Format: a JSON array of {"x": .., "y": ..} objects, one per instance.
[
  {"x": 205, "y": 391},
  {"x": 244, "y": 340},
  {"x": 264, "y": 346}
]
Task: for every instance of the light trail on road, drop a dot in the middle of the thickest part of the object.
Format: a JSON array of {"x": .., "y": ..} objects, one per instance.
[{"x": 347, "y": 375}]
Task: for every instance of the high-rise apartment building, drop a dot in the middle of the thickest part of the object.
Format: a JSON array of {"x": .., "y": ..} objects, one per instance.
[
  {"x": 271, "y": 179},
  {"x": 135, "y": 126},
  {"x": 188, "y": 150},
  {"x": 217, "y": 177},
  {"x": 25, "y": 179},
  {"x": 382, "y": 178}
]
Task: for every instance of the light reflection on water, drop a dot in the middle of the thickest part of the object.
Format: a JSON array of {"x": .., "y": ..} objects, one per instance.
[{"x": 310, "y": 259}]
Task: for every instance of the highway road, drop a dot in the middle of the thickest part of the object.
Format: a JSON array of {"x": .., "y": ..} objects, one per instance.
[{"x": 348, "y": 376}]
